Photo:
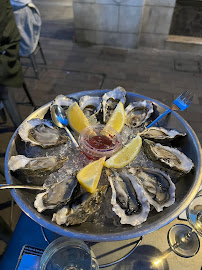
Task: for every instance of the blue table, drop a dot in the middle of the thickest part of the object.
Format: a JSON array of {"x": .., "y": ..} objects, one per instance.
[{"x": 27, "y": 232}]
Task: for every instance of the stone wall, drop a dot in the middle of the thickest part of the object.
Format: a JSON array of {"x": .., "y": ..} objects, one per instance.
[
  {"x": 123, "y": 23},
  {"x": 156, "y": 21}
]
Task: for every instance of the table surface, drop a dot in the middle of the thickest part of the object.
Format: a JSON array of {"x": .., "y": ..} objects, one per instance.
[{"x": 153, "y": 246}]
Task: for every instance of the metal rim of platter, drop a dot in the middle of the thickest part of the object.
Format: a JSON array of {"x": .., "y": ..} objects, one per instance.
[{"x": 186, "y": 190}]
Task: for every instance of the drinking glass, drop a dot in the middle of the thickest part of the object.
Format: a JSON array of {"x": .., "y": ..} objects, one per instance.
[
  {"x": 68, "y": 254},
  {"x": 183, "y": 239}
]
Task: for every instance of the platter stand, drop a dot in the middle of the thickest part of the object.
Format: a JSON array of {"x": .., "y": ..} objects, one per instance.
[{"x": 112, "y": 249}]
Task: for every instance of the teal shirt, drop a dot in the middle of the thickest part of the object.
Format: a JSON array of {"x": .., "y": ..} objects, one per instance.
[{"x": 10, "y": 67}]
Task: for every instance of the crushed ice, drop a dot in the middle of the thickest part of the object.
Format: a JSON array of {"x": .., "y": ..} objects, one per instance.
[{"x": 78, "y": 160}]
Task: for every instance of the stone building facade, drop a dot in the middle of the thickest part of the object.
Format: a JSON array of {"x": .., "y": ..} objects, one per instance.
[{"x": 123, "y": 23}]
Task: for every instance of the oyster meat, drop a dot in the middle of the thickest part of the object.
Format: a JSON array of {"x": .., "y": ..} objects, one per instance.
[
  {"x": 128, "y": 199},
  {"x": 110, "y": 101},
  {"x": 90, "y": 105},
  {"x": 57, "y": 194},
  {"x": 138, "y": 112},
  {"x": 42, "y": 133},
  {"x": 158, "y": 186},
  {"x": 168, "y": 156},
  {"x": 38, "y": 166},
  {"x": 160, "y": 134},
  {"x": 81, "y": 209}
]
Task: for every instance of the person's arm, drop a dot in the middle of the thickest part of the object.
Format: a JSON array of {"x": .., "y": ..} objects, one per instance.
[
  {"x": 3, "y": 15},
  {"x": 10, "y": 67}
]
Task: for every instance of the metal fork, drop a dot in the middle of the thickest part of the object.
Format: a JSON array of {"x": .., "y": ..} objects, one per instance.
[
  {"x": 179, "y": 104},
  {"x": 9, "y": 186}
]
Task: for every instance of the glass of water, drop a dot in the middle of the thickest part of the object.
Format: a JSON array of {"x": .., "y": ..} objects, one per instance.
[
  {"x": 183, "y": 239},
  {"x": 68, "y": 254}
]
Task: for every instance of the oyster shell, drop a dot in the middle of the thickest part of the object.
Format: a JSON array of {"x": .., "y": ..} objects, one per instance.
[
  {"x": 42, "y": 133},
  {"x": 138, "y": 112},
  {"x": 38, "y": 166},
  {"x": 110, "y": 101},
  {"x": 160, "y": 134},
  {"x": 81, "y": 209},
  {"x": 90, "y": 105},
  {"x": 128, "y": 198},
  {"x": 63, "y": 101},
  {"x": 168, "y": 156},
  {"x": 158, "y": 186},
  {"x": 57, "y": 194}
]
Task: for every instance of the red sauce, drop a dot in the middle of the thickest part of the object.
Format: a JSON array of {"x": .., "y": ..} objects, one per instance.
[{"x": 100, "y": 142}]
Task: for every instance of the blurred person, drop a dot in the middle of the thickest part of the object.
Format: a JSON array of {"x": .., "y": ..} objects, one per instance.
[
  {"x": 28, "y": 21},
  {"x": 10, "y": 67}
]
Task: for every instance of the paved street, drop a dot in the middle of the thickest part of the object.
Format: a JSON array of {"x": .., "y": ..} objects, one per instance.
[{"x": 73, "y": 67}]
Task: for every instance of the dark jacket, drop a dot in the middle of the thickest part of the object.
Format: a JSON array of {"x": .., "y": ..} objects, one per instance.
[{"x": 10, "y": 67}]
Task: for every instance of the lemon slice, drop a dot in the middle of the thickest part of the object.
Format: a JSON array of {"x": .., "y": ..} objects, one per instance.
[
  {"x": 117, "y": 119},
  {"x": 76, "y": 118},
  {"x": 125, "y": 155},
  {"x": 89, "y": 176}
]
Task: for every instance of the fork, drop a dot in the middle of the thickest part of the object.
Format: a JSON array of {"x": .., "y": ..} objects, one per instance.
[
  {"x": 10, "y": 186},
  {"x": 181, "y": 103}
]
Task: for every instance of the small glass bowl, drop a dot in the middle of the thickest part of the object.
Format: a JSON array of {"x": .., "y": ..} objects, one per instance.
[{"x": 99, "y": 140}]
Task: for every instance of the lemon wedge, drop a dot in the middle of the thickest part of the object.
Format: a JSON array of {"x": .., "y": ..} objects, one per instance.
[
  {"x": 89, "y": 176},
  {"x": 125, "y": 155},
  {"x": 76, "y": 118},
  {"x": 117, "y": 119}
]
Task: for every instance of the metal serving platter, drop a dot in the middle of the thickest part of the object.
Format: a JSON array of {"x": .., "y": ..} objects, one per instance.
[{"x": 186, "y": 187}]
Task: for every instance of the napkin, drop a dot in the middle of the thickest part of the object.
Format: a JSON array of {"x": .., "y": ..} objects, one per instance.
[
  {"x": 30, "y": 262},
  {"x": 29, "y": 258}
]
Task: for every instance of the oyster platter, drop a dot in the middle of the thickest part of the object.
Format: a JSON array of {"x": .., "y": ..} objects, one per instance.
[{"x": 146, "y": 183}]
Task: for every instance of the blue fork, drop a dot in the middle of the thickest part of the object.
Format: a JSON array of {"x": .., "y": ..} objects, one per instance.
[{"x": 181, "y": 103}]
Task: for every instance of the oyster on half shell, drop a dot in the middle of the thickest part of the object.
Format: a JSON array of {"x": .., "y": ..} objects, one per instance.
[
  {"x": 90, "y": 105},
  {"x": 38, "y": 166},
  {"x": 138, "y": 112},
  {"x": 57, "y": 194},
  {"x": 110, "y": 101},
  {"x": 81, "y": 209},
  {"x": 158, "y": 186},
  {"x": 160, "y": 134},
  {"x": 128, "y": 199},
  {"x": 63, "y": 101},
  {"x": 42, "y": 133},
  {"x": 168, "y": 156}
]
